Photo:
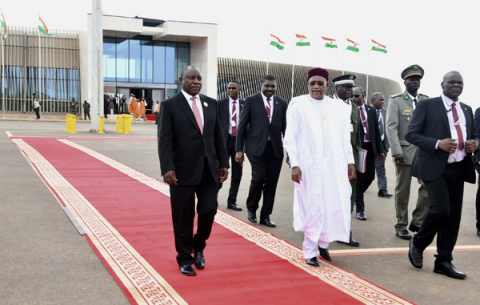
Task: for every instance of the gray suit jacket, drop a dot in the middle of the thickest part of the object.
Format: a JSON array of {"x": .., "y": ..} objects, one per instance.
[{"x": 399, "y": 114}]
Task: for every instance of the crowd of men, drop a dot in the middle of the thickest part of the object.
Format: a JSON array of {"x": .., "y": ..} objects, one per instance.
[{"x": 334, "y": 145}]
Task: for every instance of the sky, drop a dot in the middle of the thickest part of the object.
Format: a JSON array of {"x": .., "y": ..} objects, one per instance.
[{"x": 440, "y": 36}]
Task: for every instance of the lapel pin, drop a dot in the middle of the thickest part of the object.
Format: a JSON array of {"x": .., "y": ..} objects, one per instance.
[
  {"x": 408, "y": 118},
  {"x": 276, "y": 103},
  {"x": 205, "y": 104}
]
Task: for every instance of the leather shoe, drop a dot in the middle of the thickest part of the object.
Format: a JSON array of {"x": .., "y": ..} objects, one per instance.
[
  {"x": 268, "y": 223},
  {"x": 325, "y": 254},
  {"x": 446, "y": 268},
  {"x": 403, "y": 234},
  {"x": 233, "y": 206},
  {"x": 478, "y": 232},
  {"x": 313, "y": 261},
  {"x": 352, "y": 242},
  {"x": 187, "y": 270},
  {"x": 199, "y": 260},
  {"x": 384, "y": 194},
  {"x": 251, "y": 217},
  {"x": 415, "y": 256},
  {"x": 361, "y": 216},
  {"x": 413, "y": 228}
]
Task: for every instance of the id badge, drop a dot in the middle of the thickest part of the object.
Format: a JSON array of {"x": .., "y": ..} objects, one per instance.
[
  {"x": 233, "y": 123},
  {"x": 351, "y": 127}
]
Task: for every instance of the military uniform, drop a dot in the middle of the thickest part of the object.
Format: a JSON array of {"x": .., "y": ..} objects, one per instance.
[{"x": 399, "y": 113}]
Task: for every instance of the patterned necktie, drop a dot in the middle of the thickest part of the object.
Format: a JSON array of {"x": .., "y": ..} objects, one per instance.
[
  {"x": 456, "y": 122},
  {"x": 380, "y": 122},
  {"x": 197, "y": 115},
  {"x": 365, "y": 126},
  {"x": 268, "y": 110},
  {"x": 234, "y": 118}
]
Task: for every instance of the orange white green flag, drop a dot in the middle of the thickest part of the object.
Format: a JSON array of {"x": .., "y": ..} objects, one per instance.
[
  {"x": 42, "y": 27},
  {"x": 379, "y": 47},
  {"x": 302, "y": 41},
  {"x": 276, "y": 42},
  {"x": 352, "y": 46},
  {"x": 330, "y": 43},
  {"x": 4, "y": 27}
]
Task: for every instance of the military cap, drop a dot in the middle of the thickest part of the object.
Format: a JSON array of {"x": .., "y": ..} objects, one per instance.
[
  {"x": 413, "y": 70},
  {"x": 344, "y": 80}
]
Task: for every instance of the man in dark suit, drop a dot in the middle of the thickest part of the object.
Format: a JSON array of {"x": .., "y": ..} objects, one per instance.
[
  {"x": 443, "y": 129},
  {"x": 262, "y": 124},
  {"x": 193, "y": 161},
  {"x": 377, "y": 101},
  {"x": 229, "y": 110},
  {"x": 477, "y": 166},
  {"x": 371, "y": 141}
]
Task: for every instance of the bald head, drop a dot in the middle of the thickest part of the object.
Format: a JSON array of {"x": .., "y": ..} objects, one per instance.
[{"x": 452, "y": 85}]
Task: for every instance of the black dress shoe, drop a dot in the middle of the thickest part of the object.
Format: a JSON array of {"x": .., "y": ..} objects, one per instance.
[
  {"x": 233, "y": 206},
  {"x": 384, "y": 194},
  {"x": 251, "y": 217},
  {"x": 187, "y": 270},
  {"x": 313, "y": 261},
  {"x": 449, "y": 270},
  {"x": 361, "y": 216},
  {"x": 268, "y": 223},
  {"x": 325, "y": 254},
  {"x": 413, "y": 228},
  {"x": 352, "y": 242},
  {"x": 415, "y": 256},
  {"x": 199, "y": 260},
  {"x": 403, "y": 234}
]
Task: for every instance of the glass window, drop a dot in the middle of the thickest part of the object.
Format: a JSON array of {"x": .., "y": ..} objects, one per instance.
[
  {"x": 135, "y": 61},
  {"x": 170, "y": 63},
  {"x": 109, "y": 56},
  {"x": 183, "y": 57},
  {"x": 159, "y": 63},
  {"x": 122, "y": 60},
  {"x": 147, "y": 61}
]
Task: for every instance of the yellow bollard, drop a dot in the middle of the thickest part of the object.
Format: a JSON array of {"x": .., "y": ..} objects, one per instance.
[
  {"x": 122, "y": 123},
  {"x": 127, "y": 127},
  {"x": 117, "y": 124},
  {"x": 100, "y": 125},
  {"x": 73, "y": 124}
]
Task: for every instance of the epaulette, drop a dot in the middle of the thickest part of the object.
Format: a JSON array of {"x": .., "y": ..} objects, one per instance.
[
  {"x": 423, "y": 95},
  {"x": 396, "y": 95}
]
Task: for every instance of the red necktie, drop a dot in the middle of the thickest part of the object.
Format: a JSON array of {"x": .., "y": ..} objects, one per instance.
[
  {"x": 365, "y": 126},
  {"x": 234, "y": 118},
  {"x": 456, "y": 122},
  {"x": 268, "y": 109},
  {"x": 196, "y": 113}
]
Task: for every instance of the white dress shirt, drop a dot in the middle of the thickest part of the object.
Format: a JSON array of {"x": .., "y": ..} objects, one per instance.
[
  {"x": 271, "y": 104},
  {"x": 364, "y": 110},
  {"x": 413, "y": 103},
  {"x": 237, "y": 113},
  {"x": 198, "y": 102}
]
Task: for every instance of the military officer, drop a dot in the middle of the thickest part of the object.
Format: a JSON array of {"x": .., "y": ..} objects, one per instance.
[
  {"x": 343, "y": 92},
  {"x": 399, "y": 113}
]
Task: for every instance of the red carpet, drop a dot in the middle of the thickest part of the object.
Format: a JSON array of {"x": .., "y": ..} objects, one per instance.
[{"x": 127, "y": 219}]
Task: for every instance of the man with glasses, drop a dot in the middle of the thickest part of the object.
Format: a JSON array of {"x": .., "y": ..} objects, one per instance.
[
  {"x": 229, "y": 112},
  {"x": 399, "y": 113},
  {"x": 372, "y": 143},
  {"x": 343, "y": 88}
]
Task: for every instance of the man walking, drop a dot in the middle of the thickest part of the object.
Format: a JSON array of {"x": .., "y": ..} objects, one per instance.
[
  {"x": 229, "y": 110},
  {"x": 399, "y": 113},
  {"x": 262, "y": 125},
  {"x": 193, "y": 161}
]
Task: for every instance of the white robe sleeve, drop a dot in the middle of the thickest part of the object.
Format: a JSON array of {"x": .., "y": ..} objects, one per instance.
[
  {"x": 346, "y": 137},
  {"x": 292, "y": 133}
]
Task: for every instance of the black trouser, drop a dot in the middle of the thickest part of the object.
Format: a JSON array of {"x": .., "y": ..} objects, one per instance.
[
  {"x": 477, "y": 203},
  {"x": 183, "y": 213},
  {"x": 265, "y": 172},
  {"x": 446, "y": 195},
  {"x": 37, "y": 112},
  {"x": 237, "y": 169},
  {"x": 365, "y": 179},
  {"x": 85, "y": 114}
]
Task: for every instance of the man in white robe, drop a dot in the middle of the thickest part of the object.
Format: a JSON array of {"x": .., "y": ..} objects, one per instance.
[{"x": 317, "y": 141}]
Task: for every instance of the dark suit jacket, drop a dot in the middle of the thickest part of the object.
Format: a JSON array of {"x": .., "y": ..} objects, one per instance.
[
  {"x": 224, "y": 113},
  {"x": 254, "y": 126},
  {"x": 181, "y": 146},
  {"x": 385, "y": 143},
  {"x": 477, "y": 129},
  {"x": 372, "y": 121},
  {"x": 428, "y": 125}
]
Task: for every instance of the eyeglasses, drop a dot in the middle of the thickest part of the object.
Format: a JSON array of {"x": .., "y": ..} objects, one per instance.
[
  {"x": 356, "y": 95},
  {"x": 232, "y": 88}
]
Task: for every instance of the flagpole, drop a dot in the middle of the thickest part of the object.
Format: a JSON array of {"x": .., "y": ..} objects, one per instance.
[
  {"x": 268, "y": 50},
  {"x": 343, "y": 64},
  {"x": 293, "y": 70},
  {"x": 3, "y": 78},
  {"x": 318, "y": 51},
  {"x": 368, "y": 72}
]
